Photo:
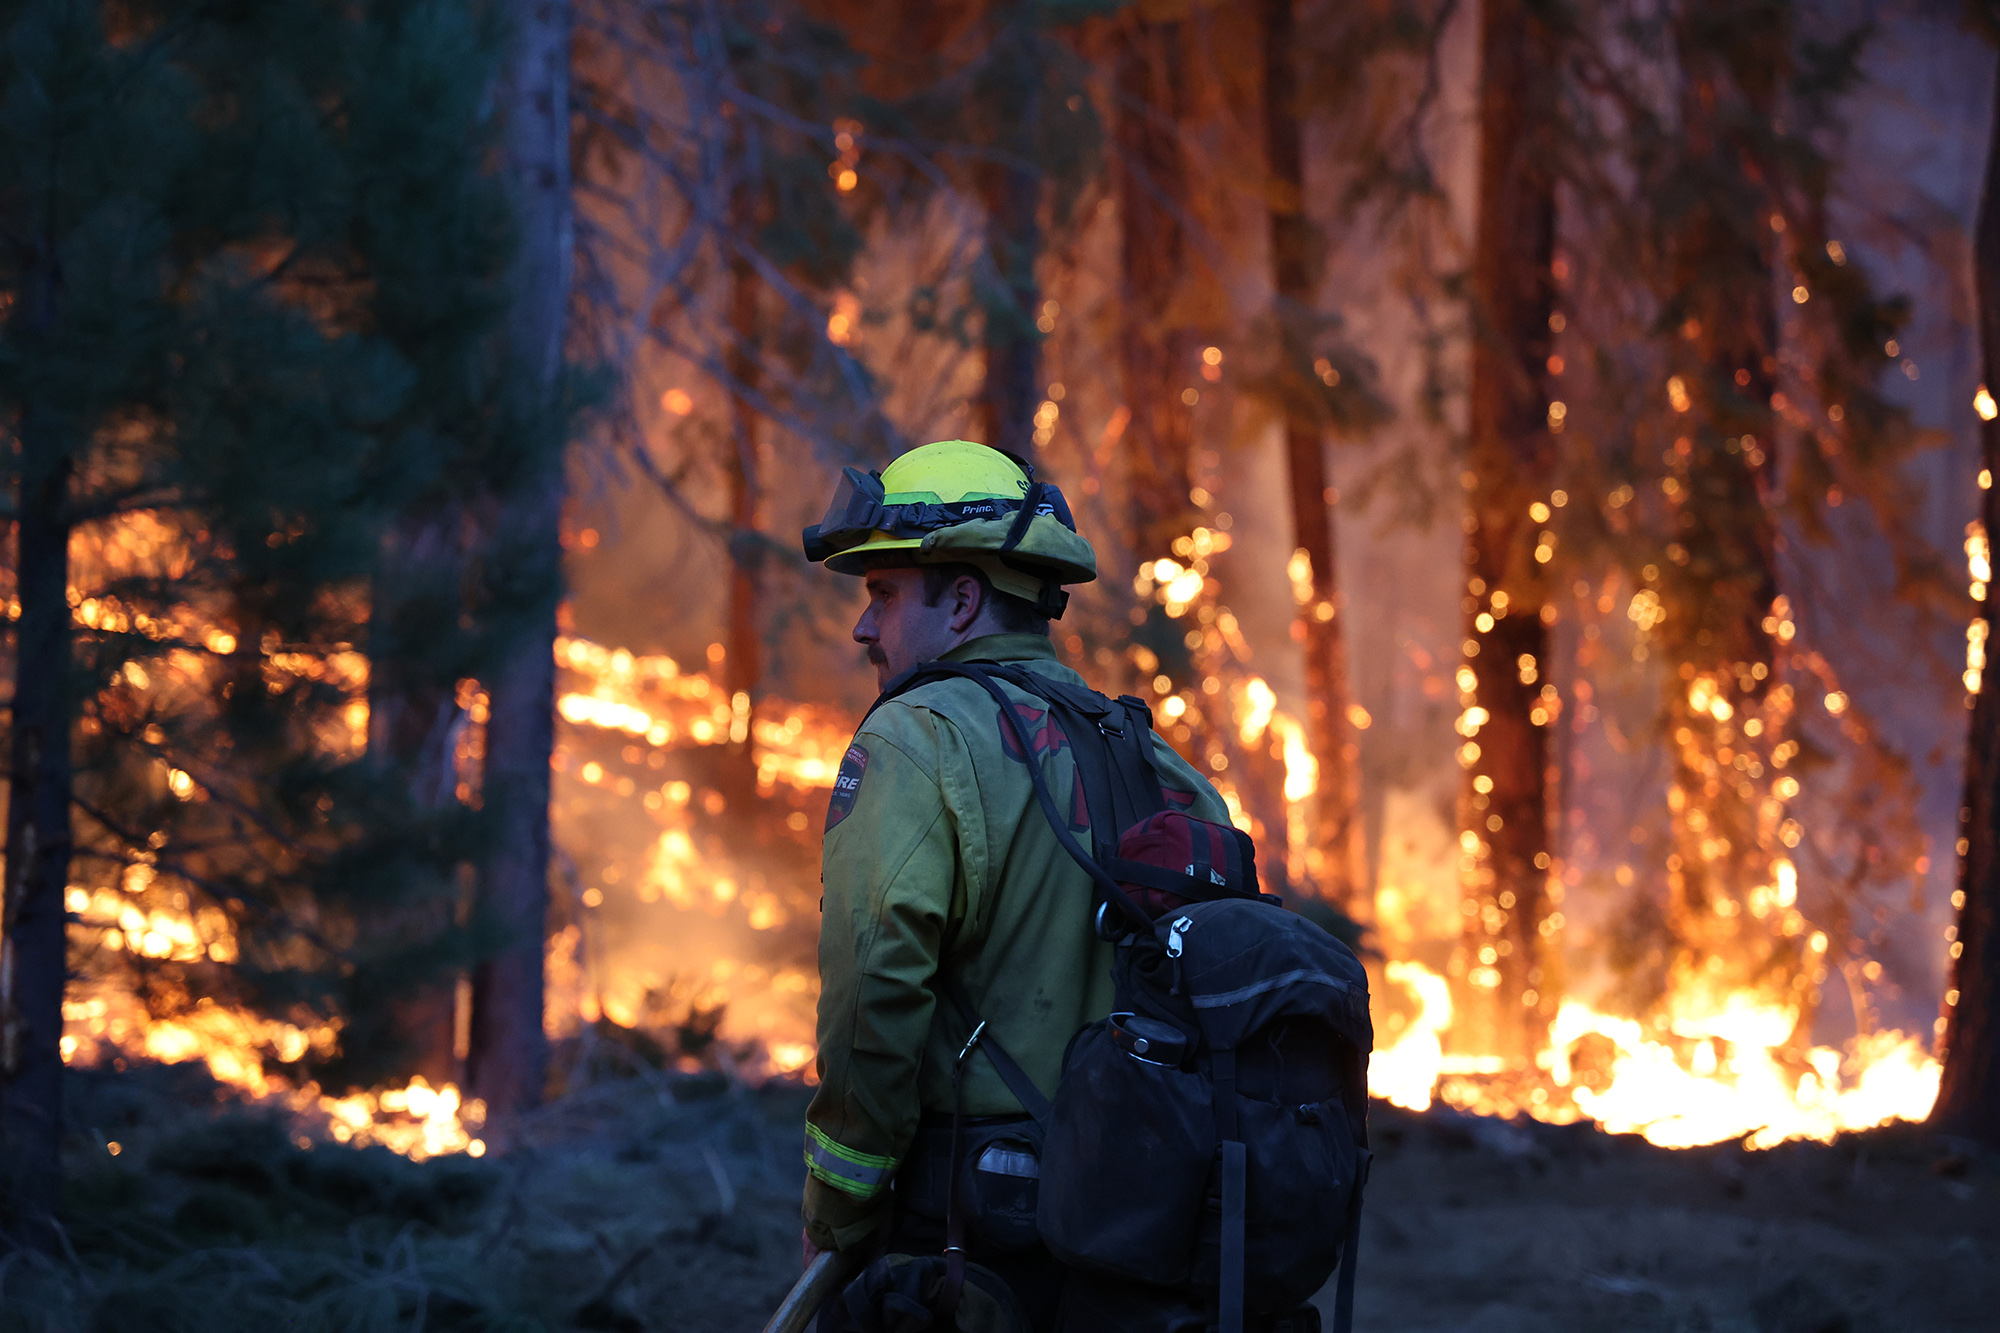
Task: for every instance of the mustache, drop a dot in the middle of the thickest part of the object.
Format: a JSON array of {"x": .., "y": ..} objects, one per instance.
[{"x": 877, "y": 656}]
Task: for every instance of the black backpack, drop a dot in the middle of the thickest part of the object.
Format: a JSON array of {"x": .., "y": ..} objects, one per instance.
[{"x": 1211, "y": 1134}]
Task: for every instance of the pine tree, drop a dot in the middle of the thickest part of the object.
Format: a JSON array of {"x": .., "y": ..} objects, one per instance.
[
  {"x": 727, "y": 132},
  {"x": 999, "y": 104},
  {"x": 799, "y": 128},
  {"x": 254, "y": 320},
  {"x": 743, "y": 639},
  {"x": 1722, "y": 258}
]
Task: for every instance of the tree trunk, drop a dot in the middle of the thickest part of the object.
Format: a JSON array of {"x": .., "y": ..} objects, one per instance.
[
  {"x": 1155, "y": 356},
  {"x": 1335, "y": 855},
  {"x": 742, "y": 662},
  {"x": 1503, "y": 809},
  {"x": 33, "y": 947},
  {"x": 508, "y": 1053},
  {"x": 1725, "y": 824},
  {"x": 1012, "y": 194},
  {"x": 1012, "y": 389},
  {"x": 413, "y": 728},
  {"x": 1969, "y": 1098}
]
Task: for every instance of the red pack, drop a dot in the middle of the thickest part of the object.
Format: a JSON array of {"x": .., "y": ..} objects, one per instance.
[{"x": 1172, "y": 859}]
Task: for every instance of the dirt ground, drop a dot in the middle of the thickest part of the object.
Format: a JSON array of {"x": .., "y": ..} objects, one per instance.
[
  {"x": 1480, "y": 1227},
  {"x": 1485, "y": 1227},
  {"x": 656, "y": 1203}
]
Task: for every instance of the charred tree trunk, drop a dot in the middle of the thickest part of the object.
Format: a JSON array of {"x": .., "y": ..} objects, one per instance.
[
  {"x": 1969, "y": 1097},
  {"x": 508, "y": 1054},
  {"x": 1155, "y": 355},
  {"x": 1335, "y": 852},
  {"x": 33, "y": 947},
  {"x": 1511, "y": 466}
]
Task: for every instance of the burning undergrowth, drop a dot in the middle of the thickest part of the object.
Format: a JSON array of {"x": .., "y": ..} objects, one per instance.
[
  {"x": 690, "y": 825},
  {"x": 687, "y": 917}
]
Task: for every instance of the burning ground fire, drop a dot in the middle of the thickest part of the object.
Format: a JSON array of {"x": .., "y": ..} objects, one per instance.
[
  {"x": 104, "y": 1024},
  {"x": 1712, "y": 1068},
  {"x": 1707, "y": 1075},
  {"x": 1707, "y": 1070}
]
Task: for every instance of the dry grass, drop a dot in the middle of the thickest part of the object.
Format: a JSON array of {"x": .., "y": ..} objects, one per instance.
[{"x": 633, "y": 1203}]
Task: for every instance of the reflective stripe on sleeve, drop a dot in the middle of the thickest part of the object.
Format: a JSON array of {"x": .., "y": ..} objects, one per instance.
[{"x": 861, "y": 1174}]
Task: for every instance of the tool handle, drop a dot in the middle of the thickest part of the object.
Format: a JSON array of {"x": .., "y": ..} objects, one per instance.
[{"x": 827, "y": 1274}]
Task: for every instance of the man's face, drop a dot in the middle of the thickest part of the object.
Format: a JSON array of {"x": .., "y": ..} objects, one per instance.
[{"x": 898, "y": 630}]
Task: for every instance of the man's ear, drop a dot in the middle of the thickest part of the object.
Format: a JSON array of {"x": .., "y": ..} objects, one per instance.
[{"x": 967, "y": 601}]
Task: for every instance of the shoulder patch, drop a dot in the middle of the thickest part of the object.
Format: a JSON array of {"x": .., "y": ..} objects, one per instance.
[{"x": 847, "y": 784}]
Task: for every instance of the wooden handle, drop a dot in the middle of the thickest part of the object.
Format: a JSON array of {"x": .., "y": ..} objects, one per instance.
[{"x": 828, "y": 1274}]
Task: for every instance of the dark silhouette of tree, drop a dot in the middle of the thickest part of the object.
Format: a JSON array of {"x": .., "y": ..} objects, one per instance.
[
  {"x": 523, "y": 549},
  {"x": 226, "y": 380},
  {"x": 1968, "y": 1101},
  {"x": 1010, "y": 188}
]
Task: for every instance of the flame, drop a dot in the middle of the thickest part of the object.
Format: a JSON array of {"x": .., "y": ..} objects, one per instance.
[
  {"x": 1406, "y": 1073},
  {"x": 1731, "y": 1081},
  {"x": 1724, "y": 1073},
  {"x": 762, "y": 1009},
  {"x": 416, "y": 1120},
  {"x": 650, "y": 698},
  {"x": 103, "y": 1024}
]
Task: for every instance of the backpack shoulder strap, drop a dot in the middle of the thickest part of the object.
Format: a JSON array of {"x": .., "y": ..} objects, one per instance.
[
  {"x": 987, "y": 676},
  {"x": 1011, "y": 1073},
  {"x": 1112, "y": 743}
]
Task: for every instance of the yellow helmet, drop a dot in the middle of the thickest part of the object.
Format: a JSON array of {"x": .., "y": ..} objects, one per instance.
[{"x": 957, "y": 501}]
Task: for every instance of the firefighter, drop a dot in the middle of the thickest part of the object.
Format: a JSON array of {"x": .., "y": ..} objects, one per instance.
[{"x": 938, "y": 864}]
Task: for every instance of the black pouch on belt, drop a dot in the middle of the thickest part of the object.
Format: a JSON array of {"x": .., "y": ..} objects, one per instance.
[{"x": 999, "y": 1182}]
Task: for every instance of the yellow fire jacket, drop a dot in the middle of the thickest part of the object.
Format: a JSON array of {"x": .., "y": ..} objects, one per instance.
[{"x": 937, "y": 857}]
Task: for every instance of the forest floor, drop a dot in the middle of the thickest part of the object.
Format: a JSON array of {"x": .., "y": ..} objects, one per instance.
[
  {"x": 665, "y": 1202},
  {"x": 1480, "y": 1226}
]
